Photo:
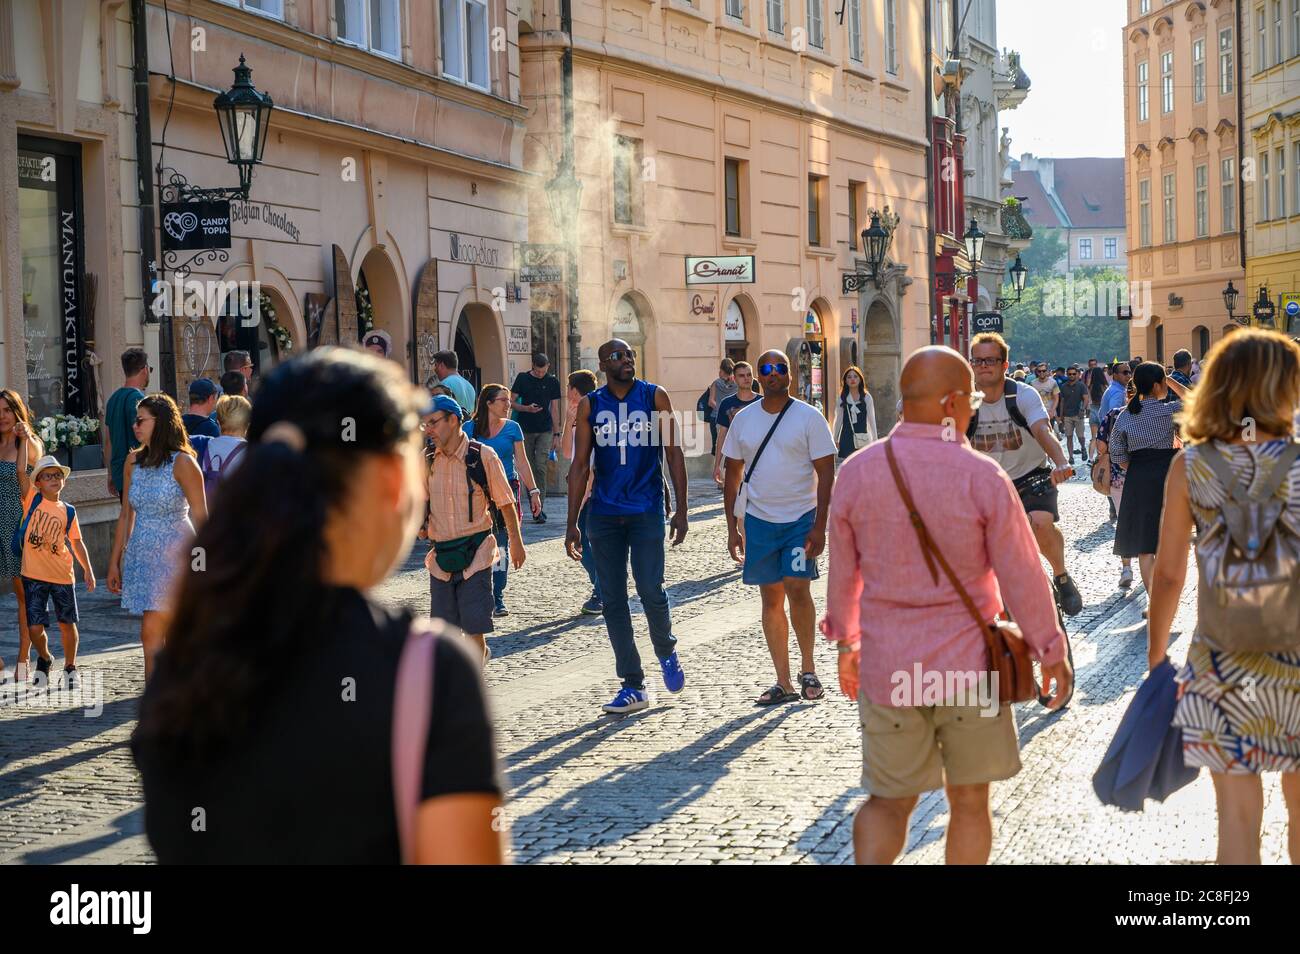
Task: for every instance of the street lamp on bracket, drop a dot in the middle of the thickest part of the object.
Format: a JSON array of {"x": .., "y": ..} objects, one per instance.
[
  {"x": 875, "y": 242},
  {"x": 1230, "y": 295},
  {"x": 1018, "y": 274},
  {"x": 974, "y": 242}
]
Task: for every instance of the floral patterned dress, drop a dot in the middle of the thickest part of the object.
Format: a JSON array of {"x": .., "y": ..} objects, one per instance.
[
  {"x": 155, "y": 553},
  {"x": 11, "y": 514},
  {"x": 1240, "y": 712}
]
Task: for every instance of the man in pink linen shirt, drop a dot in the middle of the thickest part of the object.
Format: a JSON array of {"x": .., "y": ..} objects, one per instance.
[{"x": 910, "y": 641}]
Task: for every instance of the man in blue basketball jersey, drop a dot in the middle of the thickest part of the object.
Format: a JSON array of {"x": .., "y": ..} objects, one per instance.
[{"x": 623, "y": 429}]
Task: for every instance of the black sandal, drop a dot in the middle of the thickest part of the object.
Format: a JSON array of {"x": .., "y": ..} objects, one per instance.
[
  {"x": 776, "y": 696},
  {"x": 810, "y": 686}
]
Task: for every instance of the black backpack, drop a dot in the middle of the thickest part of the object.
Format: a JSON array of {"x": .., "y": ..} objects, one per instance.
[{"x": 1009, "y": 398}]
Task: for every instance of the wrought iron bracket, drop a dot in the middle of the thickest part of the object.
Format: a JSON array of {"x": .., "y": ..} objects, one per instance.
[{"x": 176, "y": 188}]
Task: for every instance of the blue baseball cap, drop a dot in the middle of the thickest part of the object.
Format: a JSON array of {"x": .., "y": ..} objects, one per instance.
[
  {"x": 203, "y": 388},
  {"x": 447, "y": 405}
]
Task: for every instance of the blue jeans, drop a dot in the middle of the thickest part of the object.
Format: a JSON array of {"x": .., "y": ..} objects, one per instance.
[
  {"x": 588, "y": 557},
  {"x": 499, "y": 575},
  {"x": 611, "y": 540}
]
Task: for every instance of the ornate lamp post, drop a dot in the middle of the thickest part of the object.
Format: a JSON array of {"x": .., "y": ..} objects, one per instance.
[
  {"x": 1230, "y": 302},
  {"x": 1018, "y": 274}
]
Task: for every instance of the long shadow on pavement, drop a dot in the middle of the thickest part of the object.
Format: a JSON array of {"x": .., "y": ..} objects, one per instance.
[
  {"x": 659, "y": 787},
  {"x": 126, "y": 826}
]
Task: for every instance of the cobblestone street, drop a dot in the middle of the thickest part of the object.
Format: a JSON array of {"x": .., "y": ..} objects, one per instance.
[{"x": 700, "y": 777}]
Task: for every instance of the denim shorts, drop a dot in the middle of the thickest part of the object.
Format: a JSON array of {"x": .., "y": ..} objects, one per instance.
[
  {"x": 462, "y": 602},
  {"x": 774, "y": 551},
  {"x": 37, "y": 594}
]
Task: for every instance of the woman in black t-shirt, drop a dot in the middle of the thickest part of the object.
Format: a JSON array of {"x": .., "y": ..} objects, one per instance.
[{"x": 266, "y": 729}]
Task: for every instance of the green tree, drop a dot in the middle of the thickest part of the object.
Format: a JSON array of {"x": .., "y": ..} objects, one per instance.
[{"x": 1065, "y": 318}]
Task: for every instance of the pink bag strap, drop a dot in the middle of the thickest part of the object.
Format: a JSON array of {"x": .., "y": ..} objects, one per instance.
[{"x": 412, "y": 709}]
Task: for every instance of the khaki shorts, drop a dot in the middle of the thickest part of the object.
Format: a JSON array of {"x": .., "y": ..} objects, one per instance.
[{"x": 915, "y": 749}]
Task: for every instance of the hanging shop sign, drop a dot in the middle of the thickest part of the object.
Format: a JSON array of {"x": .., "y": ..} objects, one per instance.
[
  {"x": 193, "y": 226},
  {"x": 988, "y": 321},
  {"x": 720, "y": 270}
]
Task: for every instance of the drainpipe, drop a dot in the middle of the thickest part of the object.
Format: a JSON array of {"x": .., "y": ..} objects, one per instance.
[
  {"x": 1241, "y": 155},
  {"x": 570, "y": 256},
  {"x": 145, "y": 193},
  {"x": 929, "y": 175}
]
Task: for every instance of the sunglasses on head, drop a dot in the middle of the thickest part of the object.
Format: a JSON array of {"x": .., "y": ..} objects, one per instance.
[{"x": 774, "y": 368}]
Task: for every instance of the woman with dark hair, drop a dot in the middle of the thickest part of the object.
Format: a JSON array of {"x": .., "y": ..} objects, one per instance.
[
  {"x": 162, "y": 503},
  {"x": 491, "y": 425},
  {"x": 855, "y": 413},
  {"x": 1142, "y": 444},
  {"x": 273, "y": 703},
  {"x": 15, "y": 421}
]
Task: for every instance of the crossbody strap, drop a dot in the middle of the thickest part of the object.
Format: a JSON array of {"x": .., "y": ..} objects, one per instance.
[
  {"x": 412, "y": 711},
  {"x": 772, "y": 430},
  {"x": 930, "y": 549}
]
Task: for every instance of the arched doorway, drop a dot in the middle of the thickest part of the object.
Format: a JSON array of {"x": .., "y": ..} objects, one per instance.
[
  {"x": 1155, "y": 350},
  {"x": 477, "y": 341},
  {"x": 881, "y": 362},
  {"x": 1200, "y": 341},
  {"x": 631, "y": 317},
  {"x": 377, "y": 281},
  {"x": 735, "y": 328},
  {"x": 810, "y": 376}
]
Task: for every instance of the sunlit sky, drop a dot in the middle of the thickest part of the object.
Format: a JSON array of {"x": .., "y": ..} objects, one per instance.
[{"x": 1073, "y": 55}]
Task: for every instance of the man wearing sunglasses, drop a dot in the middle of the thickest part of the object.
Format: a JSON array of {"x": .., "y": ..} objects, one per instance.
[
  {"x": 782, "y": 452},
  {"x": 628, "y": 425},
  {"x": 1013, "y": 428}
]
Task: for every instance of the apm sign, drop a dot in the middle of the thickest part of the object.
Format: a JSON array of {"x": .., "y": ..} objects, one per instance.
[
  {"x": 192, "y": 226},
  {"x": 720, "y": 270},
  {"x": 988, "y": 321}
]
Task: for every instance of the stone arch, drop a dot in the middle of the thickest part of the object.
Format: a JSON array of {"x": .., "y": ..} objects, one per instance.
[
  {"x": 271, "y": 279},
  {"x": 631, "y": 318},
  {"x": 749, "y": 316},
  {"x": 881, "y": 358},
  {"x": 1200, "y": 341},
  {"x": 477, "y": 337},
  {"x": 385, "y": 279},
  {"x": 1154, "y": 349}
]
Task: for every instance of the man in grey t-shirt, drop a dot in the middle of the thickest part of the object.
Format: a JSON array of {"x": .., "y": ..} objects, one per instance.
[{"x": 1074, "y": 411}]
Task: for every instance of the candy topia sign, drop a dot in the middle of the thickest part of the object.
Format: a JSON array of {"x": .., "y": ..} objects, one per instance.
[{"x": 720, "y": 270}]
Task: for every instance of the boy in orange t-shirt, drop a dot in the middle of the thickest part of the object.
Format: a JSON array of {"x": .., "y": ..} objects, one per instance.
[{"x": 49, "y": 544}]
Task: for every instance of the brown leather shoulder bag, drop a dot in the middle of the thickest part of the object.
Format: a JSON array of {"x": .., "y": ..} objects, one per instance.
[{"x": 1009, "y": 657}]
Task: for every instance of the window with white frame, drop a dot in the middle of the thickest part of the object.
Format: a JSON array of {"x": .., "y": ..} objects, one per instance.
[
  {"x": 891, "y": 37},
  {"x": 370, "y": 24},
  {"x": 465, "y": 41},
  {"x": 1085, "y": 249},
  {"x": 855, "y": 30},
  {"x": 1144, "y": 212},
  {"x": 1279, "y": 156},
  {"x": 1261, "y": 43},
  {"x": 776, "y": 16},
  {"x": 1278, "y": 54},
  {"x": 1225, "y": 61},
  {"x": 1144, "y": 93},
  {"x": 1228, "y": 192},
  {"x": 1202, "y": 201},
  {"x": 1111, "y": 248},
  {"x": 816, "y": 29},
  {"x": 1144, "y": 6},
  {"x": 271, "y": 8},
  {"x": 1262, "y": 178},
  {"x": 1171, "y": 221},
  {"x": 1295, "y": 27},
  {"x": 735, "y": 9},
  {"x": 1167, "y": 82},
  {"x": 1198, "y": 71}
]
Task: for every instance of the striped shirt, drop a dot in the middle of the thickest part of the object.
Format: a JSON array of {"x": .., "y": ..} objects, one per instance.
[{"x": 1153, "y": 429}]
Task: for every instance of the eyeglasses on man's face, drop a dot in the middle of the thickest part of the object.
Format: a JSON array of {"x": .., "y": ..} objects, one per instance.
[
  {"x": 975, "y": 398},
  {"x": 985, "y": 362}
]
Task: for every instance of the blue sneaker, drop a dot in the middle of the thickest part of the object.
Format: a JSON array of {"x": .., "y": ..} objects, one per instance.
[
  {"x": 628, "y": 700},
  {"x": 674, "y": 678}
]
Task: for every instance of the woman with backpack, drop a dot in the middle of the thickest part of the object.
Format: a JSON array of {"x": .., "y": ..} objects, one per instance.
[
  {"x": 280, "y": 668},
  {"x": 218, "y": 456},
  {"x": 162, "y": 504},
  {"x": 1239, "y": 705},
  {"x": 491, "y": 424},
  {"x": 1142, "y": 444}
]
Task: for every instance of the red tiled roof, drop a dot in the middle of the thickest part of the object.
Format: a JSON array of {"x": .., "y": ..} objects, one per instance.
[
  {"x": 1036, "y": 207},
  {"x": 1092, "y": 191}
]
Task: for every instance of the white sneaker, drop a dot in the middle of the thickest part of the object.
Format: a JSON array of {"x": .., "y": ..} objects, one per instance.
[{"x": 1126, "y": 578}]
